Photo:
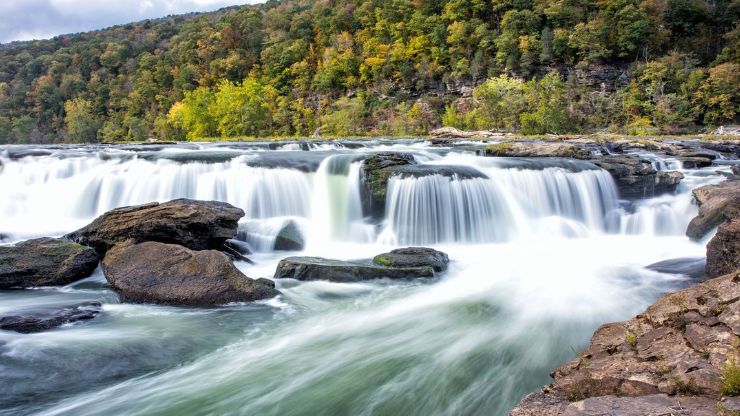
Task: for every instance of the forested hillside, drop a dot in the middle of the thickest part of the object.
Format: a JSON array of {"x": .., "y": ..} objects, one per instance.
[{"x": 387, "y": 67}]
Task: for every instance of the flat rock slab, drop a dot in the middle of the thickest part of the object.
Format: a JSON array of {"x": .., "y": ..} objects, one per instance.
[
  {"x": 197, "y": 225},
  {"x": 32, "y": 323},
  {"x": 170, "y": 274},
  {"x": 317, "y": 268},
  {"x": 45, "y": 262}
]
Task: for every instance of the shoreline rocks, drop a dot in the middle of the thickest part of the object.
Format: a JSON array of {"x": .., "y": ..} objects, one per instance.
[
  {"x": 680, "y": 346},
  {"x": 716, "y": 204},
  {"x": 409, "y": 263},
  {"x": 153, "y": 272},
  {"x": 45, "y": 262},
  {"x": 636, "y": 178},
  {"x": 198, "y": 225}
]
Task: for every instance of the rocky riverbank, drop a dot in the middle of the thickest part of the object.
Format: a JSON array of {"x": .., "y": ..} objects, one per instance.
[{"x": 680, "y": 356}]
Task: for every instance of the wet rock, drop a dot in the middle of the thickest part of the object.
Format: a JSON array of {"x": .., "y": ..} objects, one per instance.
[
  {"x": 695, "y": 162},
  {"x": 289, "y": 238},
  {"x": 636, "y": 178},
  {"x": 45, "y": 262},
  {"x": 39, "y": 322},
  {"x": 449, "y": 171},
  {"x": 237, "y": 250},
  {"x": 170, "y": 274},
  {"x": 408, "y": 263},
  {"x": 413, "y": 257},
  {"x": 716, "y": 204},
  {"x": 677, "y": 348},
  {"x": 375, "y": 172},
  {"x": 723, "y": 251},
  {"x": 198, "y": 225},
  {"x": 691, "y": 267},
  {"x": 538, "y": 149}
]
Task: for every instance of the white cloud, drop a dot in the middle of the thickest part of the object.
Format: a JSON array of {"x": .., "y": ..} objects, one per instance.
[{"x": 38, "y": 19}]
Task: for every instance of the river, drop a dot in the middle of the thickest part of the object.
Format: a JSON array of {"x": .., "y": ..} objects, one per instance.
[{"x": 542, "y": 253}]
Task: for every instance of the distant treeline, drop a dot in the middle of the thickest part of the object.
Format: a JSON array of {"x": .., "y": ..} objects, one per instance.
[{"x": 382, "y": 67}]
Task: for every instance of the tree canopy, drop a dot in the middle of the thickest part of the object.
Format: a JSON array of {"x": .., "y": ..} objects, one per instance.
[{"x": 361, "y": 67}]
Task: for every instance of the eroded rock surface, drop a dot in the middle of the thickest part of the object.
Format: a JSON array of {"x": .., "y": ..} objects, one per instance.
[
  {"x": 198, "y": 225},
  {"x": 170, "y": 274},
  {"x": 45, "y": 262},
  {"x": 678, "y": 347}
]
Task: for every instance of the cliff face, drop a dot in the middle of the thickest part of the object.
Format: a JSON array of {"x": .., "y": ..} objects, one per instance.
[{"x": 680, "y": 356}]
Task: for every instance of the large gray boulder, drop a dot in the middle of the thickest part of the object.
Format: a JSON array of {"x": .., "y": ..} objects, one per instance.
[
  {"x": 45, "y": 262},
  {"x": 169, "y": 274},
  {"x": 198, "y": 225}
]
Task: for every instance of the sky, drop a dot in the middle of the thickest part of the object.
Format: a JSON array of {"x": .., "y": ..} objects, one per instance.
[{"x": 42, "y": 19}]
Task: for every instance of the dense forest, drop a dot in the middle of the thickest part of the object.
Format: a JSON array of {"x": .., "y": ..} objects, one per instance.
[{"x": 382, "y": 67}]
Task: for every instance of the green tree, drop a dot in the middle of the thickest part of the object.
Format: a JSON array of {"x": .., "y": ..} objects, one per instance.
[{"x": 82, "y": 124}]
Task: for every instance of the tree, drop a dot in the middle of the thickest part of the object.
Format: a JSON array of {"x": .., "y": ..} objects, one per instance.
[{"x": 82, "y": 124}]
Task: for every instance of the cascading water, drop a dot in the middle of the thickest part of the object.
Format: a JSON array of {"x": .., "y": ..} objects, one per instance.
[{"x": 533, "y": 273}]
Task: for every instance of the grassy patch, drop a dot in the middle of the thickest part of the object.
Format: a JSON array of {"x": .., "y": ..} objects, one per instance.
[
  {"x": 731, "y": 379},
  {"x": 631, "y": 339}
]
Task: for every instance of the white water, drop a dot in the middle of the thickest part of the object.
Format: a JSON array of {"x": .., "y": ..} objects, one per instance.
[{"x": 541, "y": 256}]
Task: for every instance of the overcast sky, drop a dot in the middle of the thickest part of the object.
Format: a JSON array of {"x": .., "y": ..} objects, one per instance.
[{"x": 42, "y": 19}]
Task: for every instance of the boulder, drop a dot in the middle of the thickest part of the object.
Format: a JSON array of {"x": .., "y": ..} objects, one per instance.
[
  {"x": 289, "y": 238},
  {"x": 723, "y": 251},
  {"x": 398, "y": 264},
  {"x": 198, "y": 225},
  {"x": 678, "y": 347},
  {"x": 45, "y": 262},
  {"x": 716, "y": 204},
  {"x": 413, "y": 257},
  {"x": 636, "y": 178},
  {"x": 375, "y": 172},
  {"x": 170, "y": 274},
  {"x": 39, "y": 322},
  {"x": 538, "y": 149}
]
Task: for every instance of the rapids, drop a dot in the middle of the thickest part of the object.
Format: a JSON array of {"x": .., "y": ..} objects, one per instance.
[{"x": 543, "y": 252}]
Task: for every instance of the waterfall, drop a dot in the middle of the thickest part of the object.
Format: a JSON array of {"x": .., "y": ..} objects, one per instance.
[
  {"x": 336, "y": 210},
  {"x": 517, "y": 197},
  {"x": 510, "y": 203}
]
